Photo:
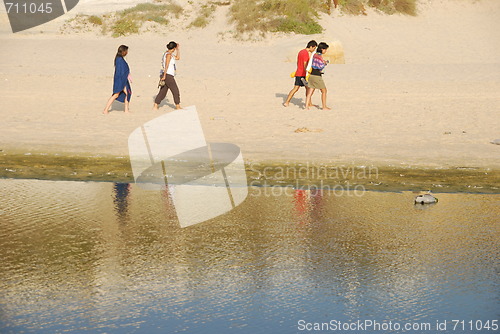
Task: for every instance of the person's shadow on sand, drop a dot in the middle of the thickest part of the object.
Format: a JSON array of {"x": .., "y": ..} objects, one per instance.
[
  {"x": 116, "y": 106},
  {"x": 294, "y": 100},
  {"x": 165, "y": 103}
]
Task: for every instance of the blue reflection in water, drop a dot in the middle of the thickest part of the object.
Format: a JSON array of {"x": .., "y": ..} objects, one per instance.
[{"x": 121, "y": 192}]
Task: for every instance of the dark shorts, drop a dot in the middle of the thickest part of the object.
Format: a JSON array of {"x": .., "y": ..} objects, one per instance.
[{"x": 298, "y": 81}]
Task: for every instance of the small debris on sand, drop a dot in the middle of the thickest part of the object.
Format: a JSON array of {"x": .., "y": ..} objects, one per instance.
[{"x": 304, "y": 129}]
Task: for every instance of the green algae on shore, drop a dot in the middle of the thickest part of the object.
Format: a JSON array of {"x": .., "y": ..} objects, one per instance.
[
  {"x": 108, "y": 168},
  {"x": 67, "y": 167}
]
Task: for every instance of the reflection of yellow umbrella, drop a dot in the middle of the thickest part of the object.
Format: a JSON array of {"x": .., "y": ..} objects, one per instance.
[{"x": 209, "y": 179}]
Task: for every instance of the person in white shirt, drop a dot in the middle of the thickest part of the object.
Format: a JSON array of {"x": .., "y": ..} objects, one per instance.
[{"x": 167, "y": 75}]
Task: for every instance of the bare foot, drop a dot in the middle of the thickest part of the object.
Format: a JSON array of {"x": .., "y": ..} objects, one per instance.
[
  {"x": 286, "y": 104},
  {"x": 326, "y": 108},
  {"x": 178, "y": 107},
  {"x": 105, "y": 112},
  {"x": 155, "y": 107}
]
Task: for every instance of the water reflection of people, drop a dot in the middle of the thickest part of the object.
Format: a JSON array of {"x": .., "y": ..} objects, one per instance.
[
  {"x": 316, "y": 197},
  {"x": 300, "y": 201},
  {"x": 121, "y": 191},
  {"x": 167, "y": 195},
  {"x": 307, "y": 203},
  {"x": 316, "y": 203}
]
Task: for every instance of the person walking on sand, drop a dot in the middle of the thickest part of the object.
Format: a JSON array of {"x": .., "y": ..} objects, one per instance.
[
  {"x": 316, "y": 79},
  {"x": 122, "y": 91},
  {"x": 167, "y": 74},
  {"x": 300, "y": 73}
]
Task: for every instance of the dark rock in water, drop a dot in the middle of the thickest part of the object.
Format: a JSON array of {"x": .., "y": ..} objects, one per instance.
[
  {"x": 496, "y": 141},
  {"x": 425, "y": 199}
]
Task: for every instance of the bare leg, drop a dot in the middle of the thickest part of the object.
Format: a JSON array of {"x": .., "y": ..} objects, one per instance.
[
  {"x": 290, "y": 95},
  {"x": 323, "y": 99},
  {"x": 308, "y": 97},
  {"x": 110, "y": 102},
  {"x": 126, "y": 106},
  {"x": 310, "y": 100},
  {"x": 126, "y": 100}
]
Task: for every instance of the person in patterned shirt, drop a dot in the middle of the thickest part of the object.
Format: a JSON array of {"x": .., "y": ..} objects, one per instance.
[{"x": 316, "y": 79}]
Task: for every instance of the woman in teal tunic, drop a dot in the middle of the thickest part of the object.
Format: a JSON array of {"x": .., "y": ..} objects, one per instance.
[{"x": 121, "y": 84}]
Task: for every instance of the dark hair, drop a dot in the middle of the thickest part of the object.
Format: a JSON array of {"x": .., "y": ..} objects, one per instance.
[
  {"x": 322, "y": 46},
  {"x": 311, "y": 44},
  {"x": 122, "y": 49},
  {"x": 172, "y": 45}
]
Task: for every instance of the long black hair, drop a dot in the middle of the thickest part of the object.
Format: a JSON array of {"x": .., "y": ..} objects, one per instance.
[
  {"x": 122, "y": 49},
  {"x": 322, "y": 46}
]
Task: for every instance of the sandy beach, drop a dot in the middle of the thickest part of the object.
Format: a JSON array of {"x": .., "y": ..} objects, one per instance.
[{"x": 421, "y": 91}]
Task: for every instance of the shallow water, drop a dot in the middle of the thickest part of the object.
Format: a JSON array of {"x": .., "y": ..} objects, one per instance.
[{"x": 92, "y": 257}]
